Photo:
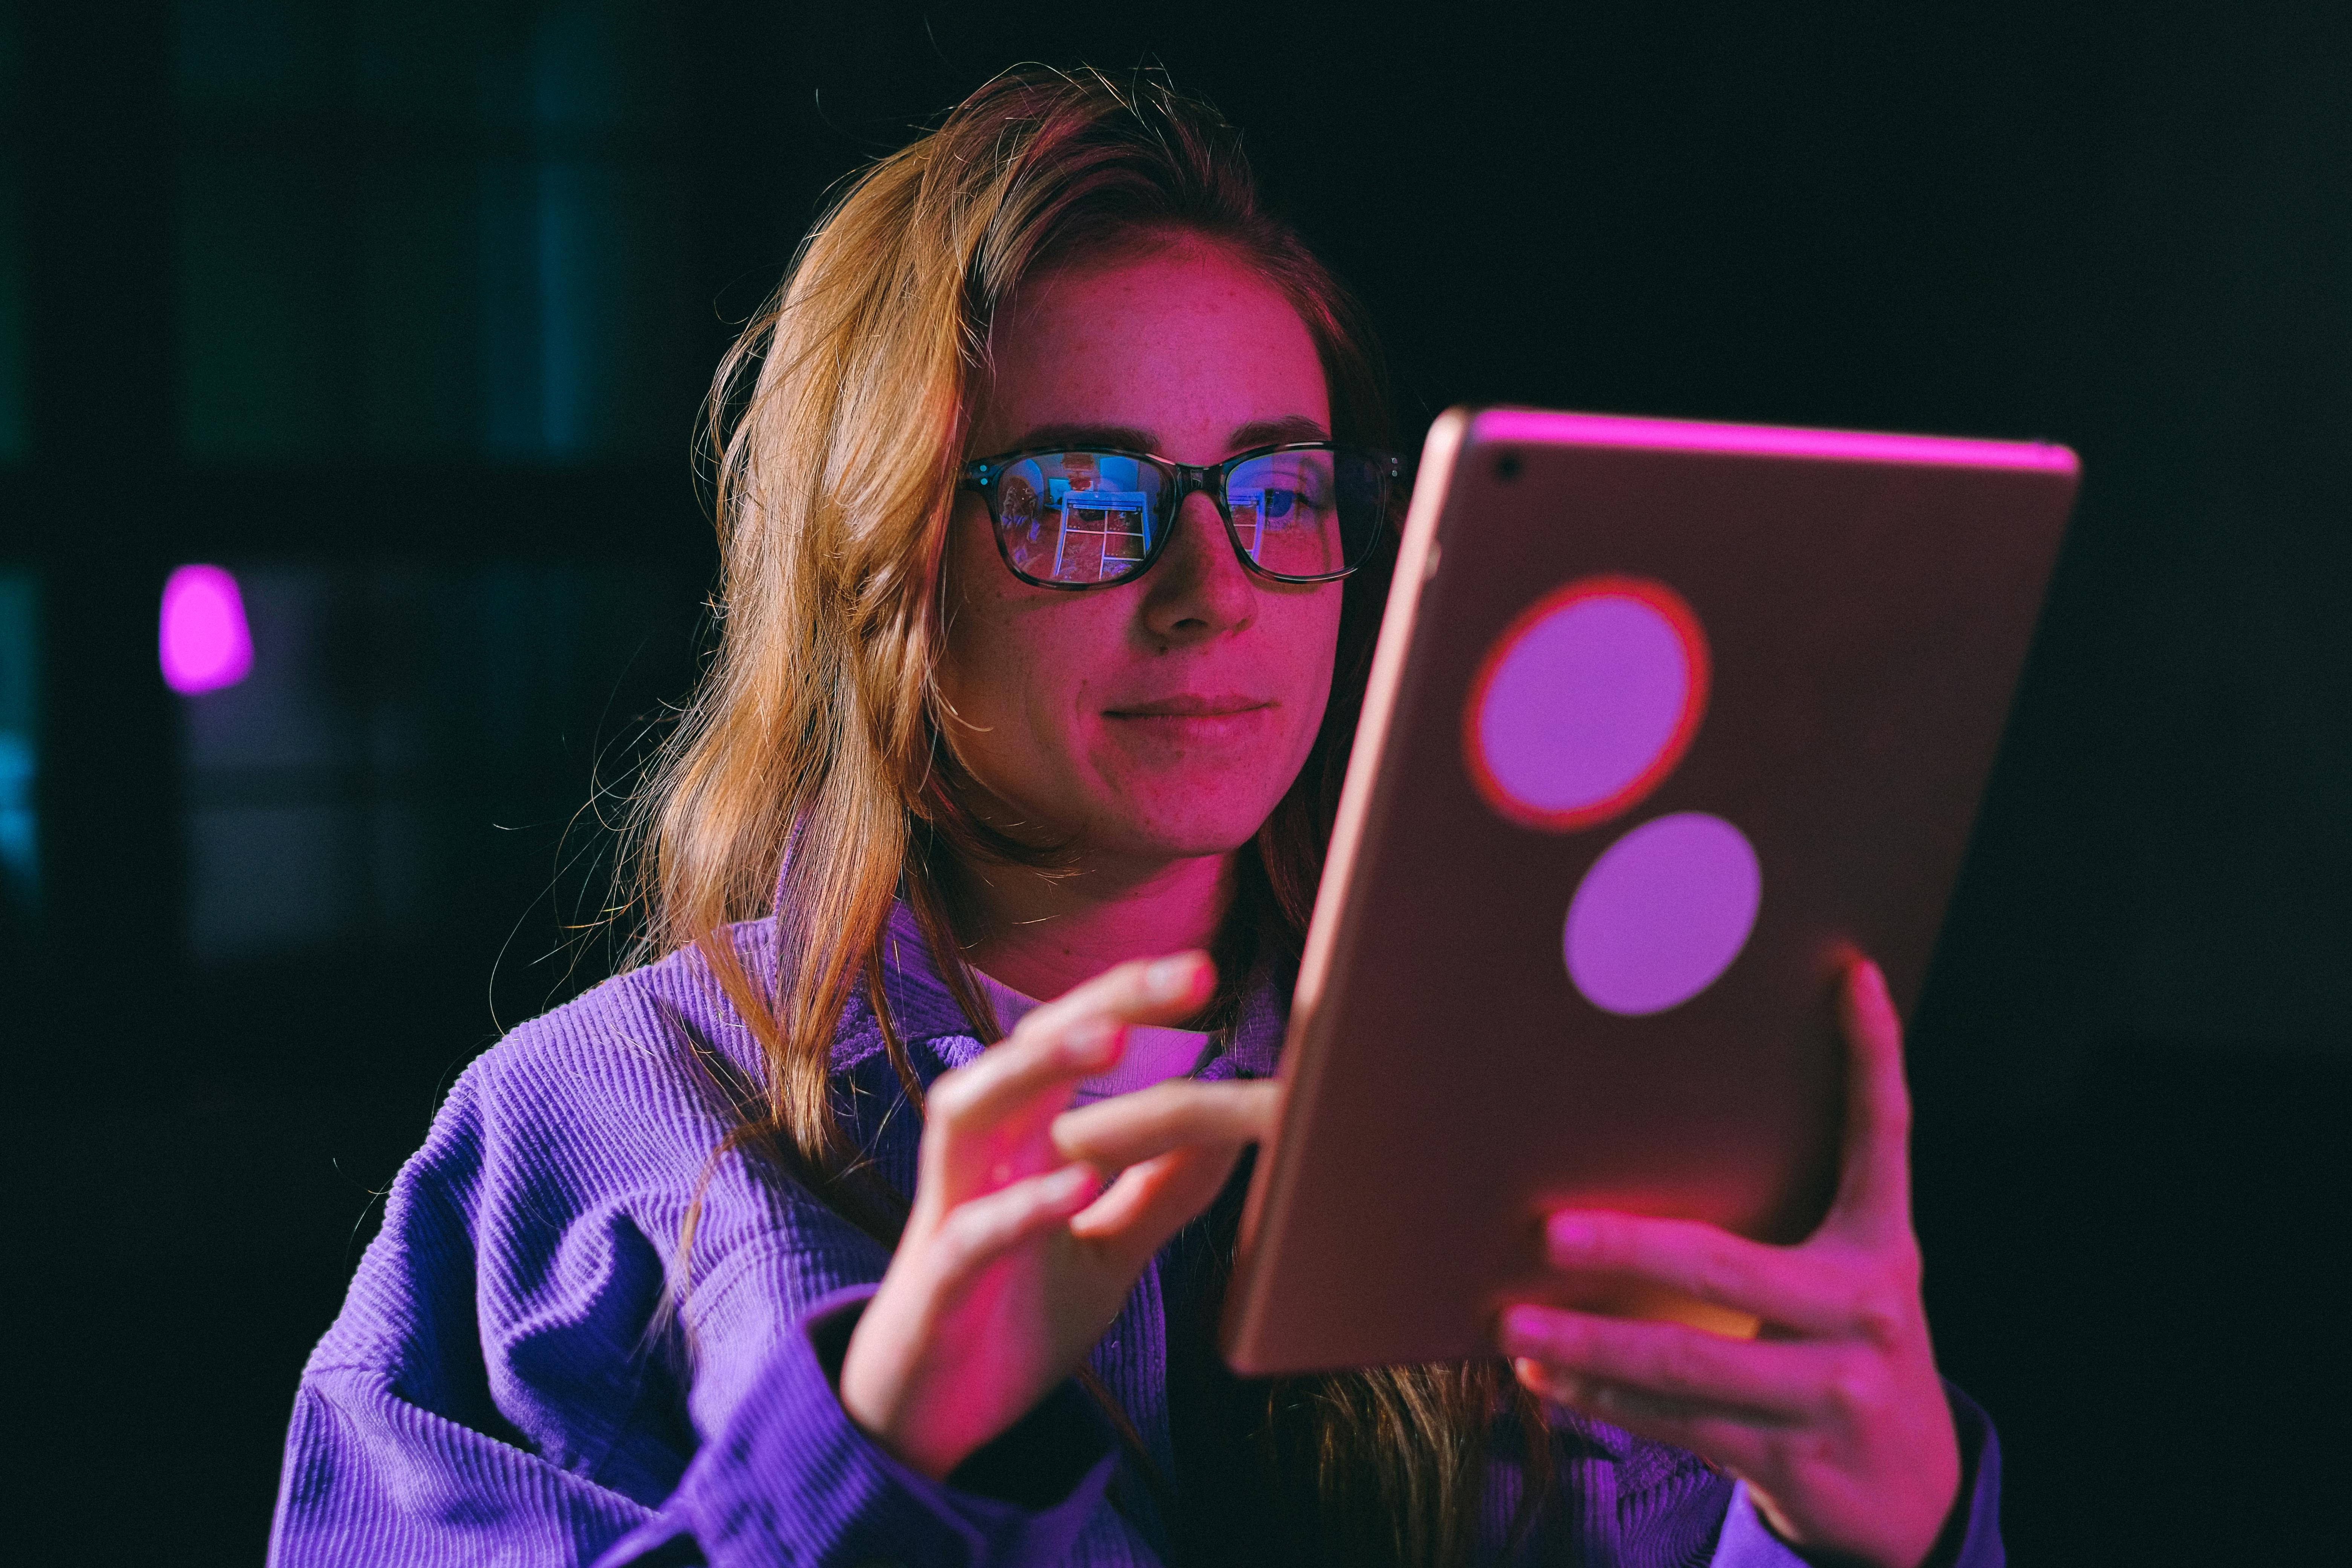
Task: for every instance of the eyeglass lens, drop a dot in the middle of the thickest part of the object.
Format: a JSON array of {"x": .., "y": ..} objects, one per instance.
[{"x": 1083, "y": 517}]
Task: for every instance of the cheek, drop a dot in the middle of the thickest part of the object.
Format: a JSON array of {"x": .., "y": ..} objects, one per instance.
[
  {"x": 1015, "y": 661},
  {"x": 1312, "y": 649},
  {"x": 974, "y": 643}
]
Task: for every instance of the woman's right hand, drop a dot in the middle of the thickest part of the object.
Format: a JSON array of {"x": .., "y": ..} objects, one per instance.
[{"x": 1015, "y": 1259}]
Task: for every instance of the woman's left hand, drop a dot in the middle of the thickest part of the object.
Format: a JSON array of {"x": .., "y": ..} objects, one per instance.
[{"x": 1834, "y": 1416}]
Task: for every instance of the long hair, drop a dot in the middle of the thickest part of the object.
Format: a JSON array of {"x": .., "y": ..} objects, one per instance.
[{"x": 812, "y": 778}]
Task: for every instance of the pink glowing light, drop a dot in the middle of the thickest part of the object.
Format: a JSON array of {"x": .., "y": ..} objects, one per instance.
[
  {"x": 1765, "y": 440},
  {"x": 1662, "y": 914},
  {"x": 1586, "y": 702},
  {"x": 202, "y": 640}
]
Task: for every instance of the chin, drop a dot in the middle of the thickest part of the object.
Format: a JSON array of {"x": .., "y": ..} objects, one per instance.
[
  {"x": 1207, "y": 804},
  {"x": 1184, "y": 835}
]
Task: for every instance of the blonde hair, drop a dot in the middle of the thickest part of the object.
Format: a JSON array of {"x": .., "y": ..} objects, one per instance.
[{"x": 811, "y": 780}]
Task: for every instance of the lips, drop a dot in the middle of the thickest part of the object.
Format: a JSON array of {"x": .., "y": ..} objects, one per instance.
[{"x": 1190, "y": 705}]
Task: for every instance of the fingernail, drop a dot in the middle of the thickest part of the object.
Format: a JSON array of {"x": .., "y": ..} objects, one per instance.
[
  {"x": 1522, "y": 1330},
  {"x": 1169, "y": 978},
  {"x": 1071, "y": 1182},
  {"x": 1569, "y": 1233}
]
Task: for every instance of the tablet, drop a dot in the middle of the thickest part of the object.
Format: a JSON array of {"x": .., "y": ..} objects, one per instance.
[{"x": 1666, "y": 720}]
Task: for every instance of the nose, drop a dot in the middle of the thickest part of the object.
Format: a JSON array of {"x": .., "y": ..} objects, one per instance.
[{"x": 1198, "y": 588}]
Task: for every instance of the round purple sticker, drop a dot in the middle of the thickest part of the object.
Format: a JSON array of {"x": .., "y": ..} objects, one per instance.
[
  {"x": 1586, "y": 702},
  {"x": 1662, "y": 914}
]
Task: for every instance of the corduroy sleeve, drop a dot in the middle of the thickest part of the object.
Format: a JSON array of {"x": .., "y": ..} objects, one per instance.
[
  {"x": 488, "y": 1393},
  {"x": 371, "y": 1478},
  {"x": 1971, "y": 1536},
  {"x": 791, "y": 1478}
]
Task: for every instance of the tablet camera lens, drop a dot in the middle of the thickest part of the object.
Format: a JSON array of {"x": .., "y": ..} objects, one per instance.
[{"x": 1507, "y": 466}]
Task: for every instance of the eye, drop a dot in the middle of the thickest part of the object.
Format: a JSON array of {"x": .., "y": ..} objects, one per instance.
[{"x": 1302, "y": 501}]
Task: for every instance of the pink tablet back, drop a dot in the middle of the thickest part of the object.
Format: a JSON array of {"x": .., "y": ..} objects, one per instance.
[{"x": 1664, "y": 721}]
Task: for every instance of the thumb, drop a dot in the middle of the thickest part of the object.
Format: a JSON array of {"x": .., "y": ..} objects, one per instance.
[{"x": 1153, "y": 1199}]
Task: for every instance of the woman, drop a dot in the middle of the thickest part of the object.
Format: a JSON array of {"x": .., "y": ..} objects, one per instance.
[{"x": 780, "y": 1249}]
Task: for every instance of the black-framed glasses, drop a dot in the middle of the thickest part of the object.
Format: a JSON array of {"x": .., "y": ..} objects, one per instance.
[{"x": 1094, "y": 517}]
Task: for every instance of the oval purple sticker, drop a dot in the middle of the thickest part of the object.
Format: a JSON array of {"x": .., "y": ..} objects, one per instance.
[{"x": 1662, "y": 914}]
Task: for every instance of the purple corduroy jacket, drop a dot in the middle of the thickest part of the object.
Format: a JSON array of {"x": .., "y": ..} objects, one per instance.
[{"x": 512, "y": 1379}]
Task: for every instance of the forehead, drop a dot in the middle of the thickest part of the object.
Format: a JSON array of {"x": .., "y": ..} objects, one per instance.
[{"x": 1185, "y": 342}]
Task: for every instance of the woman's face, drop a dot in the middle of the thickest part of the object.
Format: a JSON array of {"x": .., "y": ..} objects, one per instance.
[{"x": 1164, "y": 718}]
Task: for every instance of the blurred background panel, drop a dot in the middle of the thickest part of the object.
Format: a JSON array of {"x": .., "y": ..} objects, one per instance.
[
  {"x": 20, "y": 729},
  {"x": 20, "y": 639},
  {"x": 433, "y": 233},
  {"x": 12, "y": 240},
  {"x": 389, "y": 322},
  {"x": 412, "y": 735}
]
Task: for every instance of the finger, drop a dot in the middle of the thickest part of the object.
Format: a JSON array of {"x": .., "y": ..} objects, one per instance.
[
  {"x": 978, "y": 1232},
  {"x": 1142, "y": 991},
  {"x": 1727, "y": 1441},
  {"x": 1129, "y": 1128},
  {"x": 1760, "y": 1382},
  {"x": 1874, "y": 1176},
  {"x": 1784, "y": 1286},
  {"x": 1153, "y": 1200},
  {"x": 1117, "y": 1205},
  {"x": 1076, "y": 1035},
  {"x": 1016, "y": 1074}
]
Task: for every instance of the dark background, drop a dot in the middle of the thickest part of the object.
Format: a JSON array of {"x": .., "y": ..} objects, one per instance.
[{"x": 401, "y": 311}]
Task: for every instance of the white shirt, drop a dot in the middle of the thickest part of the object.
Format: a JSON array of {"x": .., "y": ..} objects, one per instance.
[{"x": 1153, "y": 1054}]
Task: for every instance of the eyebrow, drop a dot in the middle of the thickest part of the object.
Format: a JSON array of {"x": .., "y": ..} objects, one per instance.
[{"x": 1258, "y": 432}]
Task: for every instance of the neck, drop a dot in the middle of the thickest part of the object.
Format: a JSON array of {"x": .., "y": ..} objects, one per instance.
[{"x": 1040, "y": 933}]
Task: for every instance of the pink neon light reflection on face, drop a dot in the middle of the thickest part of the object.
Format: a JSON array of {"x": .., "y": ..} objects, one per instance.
[{"x": 202, "y": 640}]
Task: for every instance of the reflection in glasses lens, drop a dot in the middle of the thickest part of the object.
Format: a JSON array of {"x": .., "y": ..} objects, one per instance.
[
  {"x": 1081, "y": 519},
  {"x": 1286, "y": 513}
]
